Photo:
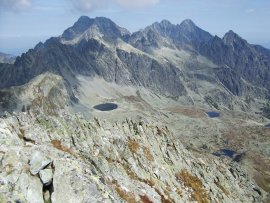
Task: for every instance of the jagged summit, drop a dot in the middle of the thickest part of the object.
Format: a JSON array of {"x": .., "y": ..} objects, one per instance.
[
  {"x": 165, "y": 22},
  {"x": 83, "y": 19},
  {"x": 231, "y": 38},
  {"x": 87, "y": 27},
  {"x": 231, "y": 34},
  {"x": 164, "y": 28},
  {"x": 164, "y": 33},
  {"x": 80, "y": 26},
  {"x": 192, "y": 35},
  {"x": 94, "y": 46},
  {"x": 188, "y": 23}
]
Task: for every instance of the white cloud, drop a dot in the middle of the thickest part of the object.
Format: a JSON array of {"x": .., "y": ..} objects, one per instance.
[
  {"x": 250, "y": 10},
  {"x": 131, "y": 4},
  {"x": 81, "y": 5},
  {"x": 90, "y": 5},
  {"x": 15, "y": 5}
]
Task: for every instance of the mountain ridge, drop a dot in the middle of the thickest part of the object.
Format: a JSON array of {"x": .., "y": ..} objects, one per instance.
[{"x": 99, "y": 47}]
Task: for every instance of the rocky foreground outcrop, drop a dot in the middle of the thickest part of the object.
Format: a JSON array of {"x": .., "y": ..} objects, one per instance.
[{"x": 70, "y": 159}]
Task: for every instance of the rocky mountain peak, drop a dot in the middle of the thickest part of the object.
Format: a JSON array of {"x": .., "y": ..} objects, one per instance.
[
  {"x": 231, "y": 37},
  {"x": 188, "y": 22},
  {"x": 80, "y": 26},
  {"x": 188, "y": 25},
  {"x": 87, "y": 27},
  {"x": 188, "y": 33},
  {"x": 39, "y": 46},
  {"x": 164, "y": 24},
  {"x": 83, "y": 19},
  {"x": 217, "y": 39},
  {"x": 165, "y": 28}
]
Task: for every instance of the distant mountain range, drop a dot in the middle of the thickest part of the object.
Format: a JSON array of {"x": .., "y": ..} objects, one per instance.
[
  {"x": 182, "y": 62},
  {"x": 7, "y": 58}
]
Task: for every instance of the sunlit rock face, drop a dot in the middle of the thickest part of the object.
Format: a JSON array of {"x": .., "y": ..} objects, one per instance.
[{"x": 70, "y": 159}]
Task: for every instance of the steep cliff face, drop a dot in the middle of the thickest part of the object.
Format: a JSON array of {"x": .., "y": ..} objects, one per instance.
[
  {"x": 70, "y": 159},
  {"x": 81, "y": 50},
  {"x": 241, "y": 62},
  {"x": 185, "y": 35}
]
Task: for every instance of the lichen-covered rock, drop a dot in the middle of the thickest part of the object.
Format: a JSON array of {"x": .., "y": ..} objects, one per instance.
[
  {"x": 34, "y": 190},
  {"x": 38, "y": 162},
  {"x": 100, "y": 161},
  {"x": 72, "y": 182},
  {"x": 46, "y": 176}
]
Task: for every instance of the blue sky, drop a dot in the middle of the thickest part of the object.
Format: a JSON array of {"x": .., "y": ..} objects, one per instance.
[{"x": 23, "y": 23}]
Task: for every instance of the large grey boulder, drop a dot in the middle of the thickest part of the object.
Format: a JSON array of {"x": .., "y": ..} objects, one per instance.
[
  {"x": 38, "y": 162},
  {"x": 31, "y": 188},
  {"x": 46, "y": 176}
]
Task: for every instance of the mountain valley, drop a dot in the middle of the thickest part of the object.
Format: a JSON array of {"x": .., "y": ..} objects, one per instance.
[{"x": 157, "y": 143}]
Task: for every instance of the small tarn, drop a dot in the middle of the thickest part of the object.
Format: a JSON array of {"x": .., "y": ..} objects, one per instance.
[
  {"x": 225, "y": 152},
  {"x": 213, "y": 114},
  {"x": 230, "y": 153},
  {"x": 106, "y": 107}
]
